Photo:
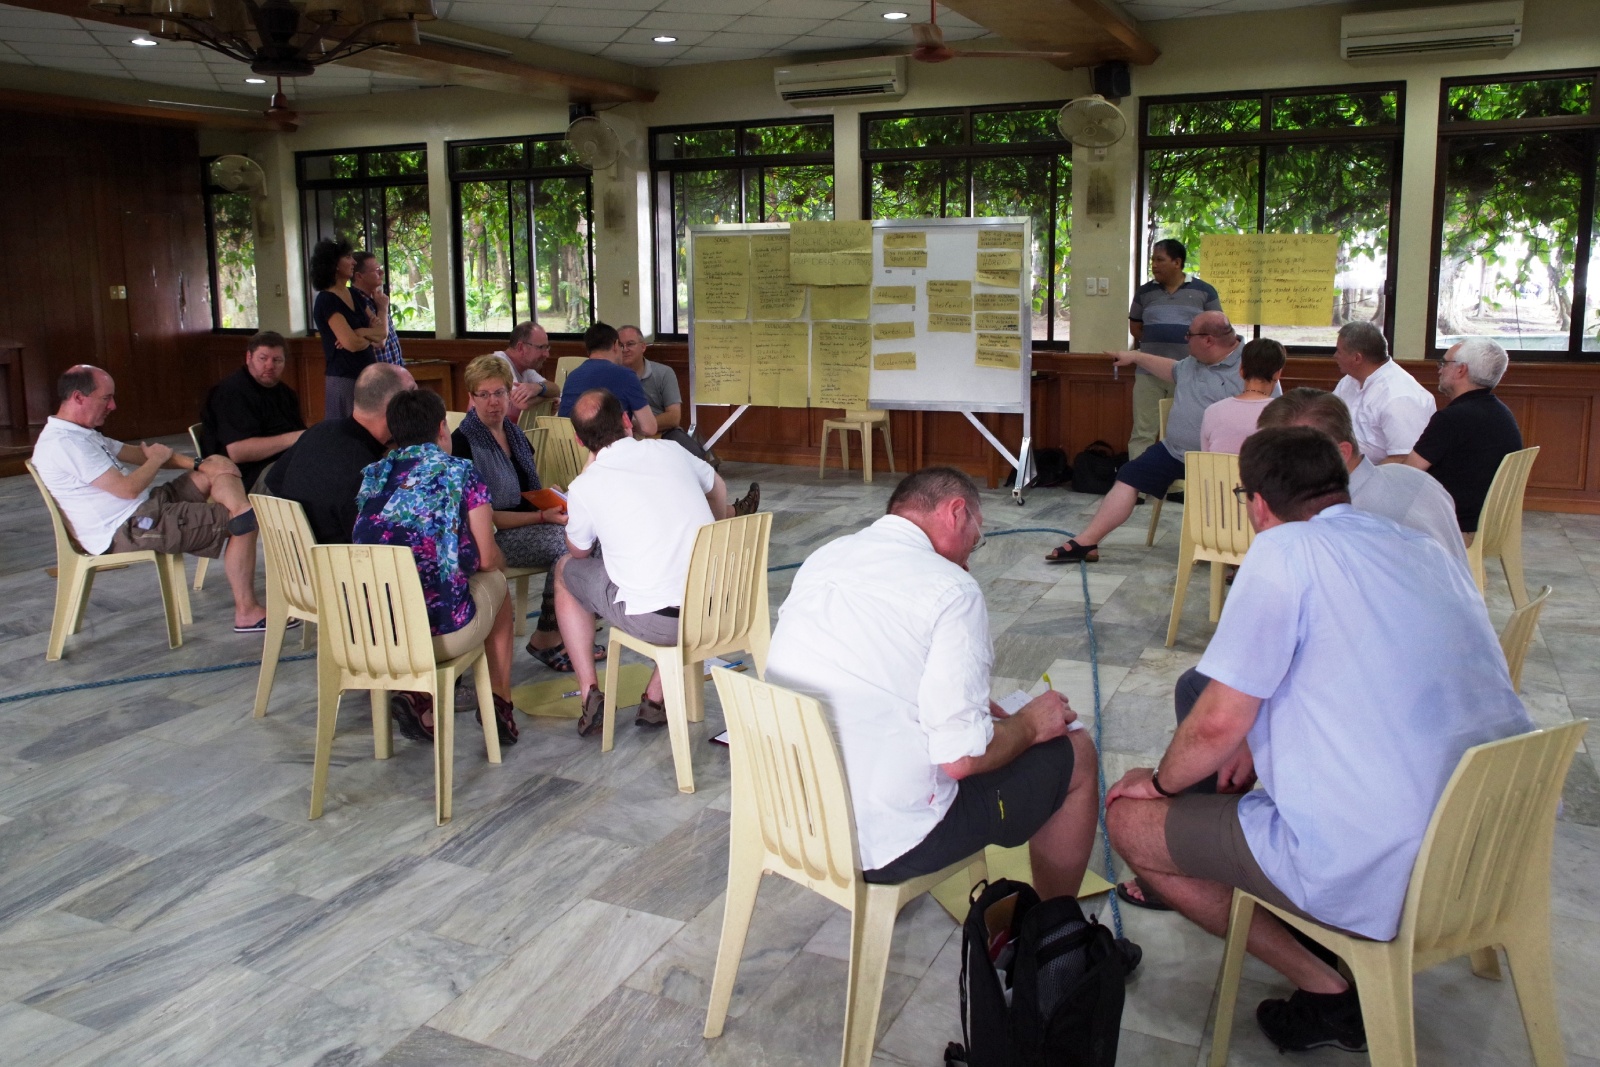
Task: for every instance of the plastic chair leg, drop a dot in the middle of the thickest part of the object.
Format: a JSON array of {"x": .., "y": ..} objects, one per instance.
[
  {"x": 271, "y": 648},
  {"x": 871, "y": 932},
  {"x": 1486, "y": 964},
  {"x": 744, "y": 880},
  {"x": 200, "y": 566},
  {"x": 608, "y": 730},
  {"x": 180, "y": 588},
  {"x": 63, "y": 621},
  {"x": 1239, "y": 918},
  {"x": 382, "y": 734},
  {"x": 672, "y": 682},
  {"x": 480, "y": 682},
  {"x": 694, "y": 691},
  {"x": 85, "y": 585},
  {"x": 1155, "y": 517},
  {"x": 888, "y": 445},
  {"x": 866, "y": 452},
  {"x": 327, "y": 718},
  {"x": 1218, "y": 570},
  {"x": 173, "y": 597},
  {"x": 1511, "y": 563},
  {"x": 1533, "y": 973},
  {"x": 822, "y": 457},
  {"x": 1383, "y": 976},
  {"x": 1181, "y": 590},
  {"x": 444, "y": 745}
]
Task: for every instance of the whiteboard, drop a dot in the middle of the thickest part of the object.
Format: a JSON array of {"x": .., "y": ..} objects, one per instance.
[{"x": 947, "y": 377}]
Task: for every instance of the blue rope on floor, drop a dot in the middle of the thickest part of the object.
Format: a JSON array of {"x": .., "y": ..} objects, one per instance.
[{"x": 58, "y": 690}]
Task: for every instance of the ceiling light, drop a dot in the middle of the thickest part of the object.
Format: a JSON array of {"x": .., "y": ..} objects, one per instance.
[
  {"x": 895, "y": 16},
  {"x": 144, "y": 42},
  {"x": 255, "y": 81},
  {"x": 665, "y": 39}
]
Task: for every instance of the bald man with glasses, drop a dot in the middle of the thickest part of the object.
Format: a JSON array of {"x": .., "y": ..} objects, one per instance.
[{"x": 526, "y": 351}]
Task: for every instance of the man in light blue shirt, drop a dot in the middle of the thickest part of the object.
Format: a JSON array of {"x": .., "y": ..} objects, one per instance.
[{"x": 1353, "y": 665}]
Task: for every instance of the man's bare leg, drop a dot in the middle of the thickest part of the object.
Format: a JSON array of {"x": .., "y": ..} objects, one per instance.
[
  {"x": 577, "y": 631},
  {"x": 1113, "y": 512},
  {"x": 1139, "y": 834},
  {"x": 239, "y": 558},
  {"x": 1060, "y": 850}
]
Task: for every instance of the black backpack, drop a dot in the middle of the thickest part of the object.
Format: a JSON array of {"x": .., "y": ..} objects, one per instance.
[
  {"x": 1094, "y": 470},
  {"x": 1041, "y": 986}
]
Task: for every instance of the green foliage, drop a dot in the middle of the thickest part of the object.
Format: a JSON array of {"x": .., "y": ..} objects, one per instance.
[
  {"x": 506, "y": 278},
  {"x": 791, "y": 193},
  {"x": 1335, "y": 110},
  {"x": 915, "y": 131},
  {"x": 1204, "y": 116},
  {"x": 233, "y": 251},
  {"x": 1499, "y": 101},
  {"x": 789, "y": 139},
  {"x": 919, "y": 189},
  {"x": 1015, "y": 127},
  {"x": 480, "y": 157},
  {"x": 1194, "y": 191}
]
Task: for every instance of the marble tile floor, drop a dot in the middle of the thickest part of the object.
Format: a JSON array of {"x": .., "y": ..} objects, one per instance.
[{"x": 164, "y": 900}]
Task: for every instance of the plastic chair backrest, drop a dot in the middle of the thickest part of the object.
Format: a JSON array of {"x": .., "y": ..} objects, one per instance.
[
  {"x": 564, "y": 367},
  {"x": 194, "y": 438},
  {"x": 785, "y": 767},
  {"x": 1518, "y": 635},
  {"x": 1217, "y": 521},
  {"x": 288, "y": 540},
  {"x": 1490, "y": 833},
  {"x": 722, "y": 594},
  {"x": 454, "y": 419},
  {"x": 1502, "y": 508},
  {"x": 374, "y": 620},
  {"x": 66, "y": 543},
  {"x": 1163, "y": 409}
]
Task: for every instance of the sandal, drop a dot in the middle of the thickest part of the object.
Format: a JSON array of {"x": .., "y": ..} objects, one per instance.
[
  {"x": 1072, "y": 552},
  {"x": 650, "y": 713},
  {"x": 504, "y": 719},
  {"x": 1147, "y": 898},
  {"x": 404, "y": 711},
  {"x": 555, "y": 657},
  {"x": 594, "y": 712}
]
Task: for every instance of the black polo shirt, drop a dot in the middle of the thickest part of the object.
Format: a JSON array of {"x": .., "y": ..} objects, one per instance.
[
  {"x": 238, "y": 408},
  {"x": 1464, "y": 443},
  {"x": 323, "y": 472}
]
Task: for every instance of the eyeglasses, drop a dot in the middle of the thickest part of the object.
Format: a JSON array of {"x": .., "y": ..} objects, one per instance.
[
  {"x": 1241, "y": 494},
  {"x": 495, "y": 394}
]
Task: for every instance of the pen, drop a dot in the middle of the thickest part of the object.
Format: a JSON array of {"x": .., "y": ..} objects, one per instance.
[
  {"x": 568, "y": 696},
  {"x": 1047, "y": 684}
]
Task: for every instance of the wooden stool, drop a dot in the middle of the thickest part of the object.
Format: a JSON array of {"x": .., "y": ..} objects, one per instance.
[{"x": 862, "y": 422}]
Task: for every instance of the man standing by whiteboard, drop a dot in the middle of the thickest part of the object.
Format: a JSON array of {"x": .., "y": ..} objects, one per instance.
[{"x": 1159, "y": 320}]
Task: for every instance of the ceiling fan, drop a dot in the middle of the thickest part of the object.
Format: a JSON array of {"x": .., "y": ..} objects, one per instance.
[
  {"x": 929, "y": 45},
  {"x": 280, "y": 115}
]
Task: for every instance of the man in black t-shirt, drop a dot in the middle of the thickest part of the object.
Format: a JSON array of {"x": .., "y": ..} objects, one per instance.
[
  {"x": 1467, "y": 438},
  {"x": 251, "y": 416},
  {"x": 323, "y": 470}
]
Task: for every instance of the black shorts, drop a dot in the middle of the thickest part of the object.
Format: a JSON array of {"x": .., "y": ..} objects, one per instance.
[
  {"x": 1001, "y": 807},
  {"x": 1152, "y": 471}
]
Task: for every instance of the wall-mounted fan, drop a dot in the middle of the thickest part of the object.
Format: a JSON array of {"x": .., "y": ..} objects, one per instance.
[
  {"x": 595, "y": 144},
  {"x": 929, "y": 45},
  {"x": 1092, "y": 122},
  {"x": 241, "y": 174}
]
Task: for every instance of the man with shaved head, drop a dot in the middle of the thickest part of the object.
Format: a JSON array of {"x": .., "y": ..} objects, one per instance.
[{"x": 1208, "y": 374}]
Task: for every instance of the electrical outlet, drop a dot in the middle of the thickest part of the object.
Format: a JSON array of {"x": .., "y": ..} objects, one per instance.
[
  {"x": 625, "y": 286},
  {"x": 277, "y": 290},
  {"x": 119, "y": 292}
]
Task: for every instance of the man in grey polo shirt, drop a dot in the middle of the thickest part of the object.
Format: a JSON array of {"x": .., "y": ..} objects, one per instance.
[
  {"x": 1209, "y": 374},
  {"x": 1159, "y": 319}
]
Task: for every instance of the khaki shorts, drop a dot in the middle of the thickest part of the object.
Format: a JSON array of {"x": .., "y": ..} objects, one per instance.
[
  {"x": 488, "y": 589},
  {"x": 587, "y": 581},
  {"x": 175, "y": 518},
  {"x": 1205, "y": 840}
]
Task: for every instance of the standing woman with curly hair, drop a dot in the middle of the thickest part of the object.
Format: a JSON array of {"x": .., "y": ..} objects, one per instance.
[{"x": 344, "y": 350}]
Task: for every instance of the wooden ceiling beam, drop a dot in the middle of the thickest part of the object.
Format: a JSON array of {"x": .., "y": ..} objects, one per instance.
[
  {"x": 86, "y": 107},
  {"x": 1093, "y": 31}
]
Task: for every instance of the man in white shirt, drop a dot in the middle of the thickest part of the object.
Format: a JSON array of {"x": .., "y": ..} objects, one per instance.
[
  {"x": 104, "y": 490},
  {"x": 1388, "y": 407},
  {"x": 645, "y": 501},
  {"x": 526, "y": 351},
  {"x": 1353, "y": 665},
  {"x": 890, "y": 633}
]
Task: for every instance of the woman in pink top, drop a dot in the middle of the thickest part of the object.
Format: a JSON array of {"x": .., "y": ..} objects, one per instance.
[{"x": 1228, "y": 422}]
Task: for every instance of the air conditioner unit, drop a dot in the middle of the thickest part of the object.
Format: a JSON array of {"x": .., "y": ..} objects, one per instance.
[
  {"x": 1487, "y": 30},
  {"x": 848, "y": 79}
]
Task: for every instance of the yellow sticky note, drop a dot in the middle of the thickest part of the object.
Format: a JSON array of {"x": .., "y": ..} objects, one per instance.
[
  {"x": 949, "y": 323},
  {"x": 998, "y": 320},
  {"x": 905, "y": 257},
  {"x": 999, "y": 350},
  {"x": 950, "y": 297},
  {"x": 721, "y": 277},
  {"x": 893, "y": 331},
  {"x": 1003, "y": 260},
  {"x": 722, "y": 362},
  {"x": 1000, "y": 239},
  {"x": 774, "y": 295},
  {"x": 895, "y": 361},
  {"x": 1004, "y": 342},
  {"x": 779, "y": 371},
  {"x": 994, "y": 302},
  {"x": 1005, "y": 279},
  {"x": 905, "y": 239},
  {"x": 830, "y": 253},
  {"x": 894, "y": 294},
  {"x": 841, "y": 302}
]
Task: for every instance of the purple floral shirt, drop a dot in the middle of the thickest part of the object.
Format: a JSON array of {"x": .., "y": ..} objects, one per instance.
[{"x": 419, "y": 497}]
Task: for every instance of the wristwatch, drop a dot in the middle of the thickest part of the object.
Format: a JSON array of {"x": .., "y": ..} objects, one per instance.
[{"x": 1155, "y": 783}]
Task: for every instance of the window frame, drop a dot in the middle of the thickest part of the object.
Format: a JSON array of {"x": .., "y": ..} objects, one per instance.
[
  {"x": 207, "y": 190},
  {"x": 528, "y": 173},
  {"x": 1266, "y": 137},
  {"x": 1588, "y": 193},
  {"x": 365, "y": 183},
  {"x": 663, "y": 203},
  {"x": 968, "y": 151}
]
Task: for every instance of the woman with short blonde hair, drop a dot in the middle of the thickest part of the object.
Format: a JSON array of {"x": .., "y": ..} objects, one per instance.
[{"x": 504, "y": 459}]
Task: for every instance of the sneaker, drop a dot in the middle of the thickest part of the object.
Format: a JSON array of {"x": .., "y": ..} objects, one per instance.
[
  {"x": 594, "y": 713},
  {"x": 1314, "y": 1020},
  {"x": 747, "y": 504}
]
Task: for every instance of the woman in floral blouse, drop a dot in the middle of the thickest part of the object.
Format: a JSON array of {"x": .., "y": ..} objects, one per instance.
[{"x": 423, "y": 498}]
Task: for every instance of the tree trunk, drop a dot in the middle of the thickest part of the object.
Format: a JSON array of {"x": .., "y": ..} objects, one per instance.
[{"x": 1450, "y": 317}]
